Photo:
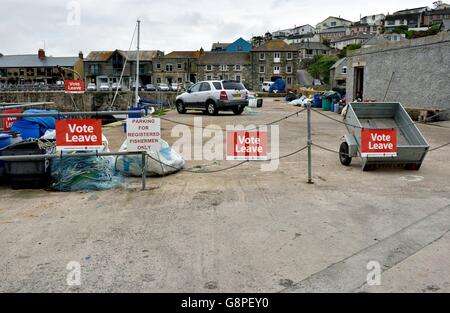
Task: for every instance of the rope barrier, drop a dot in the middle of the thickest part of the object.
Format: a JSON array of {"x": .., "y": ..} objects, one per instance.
[
  {"x": 192, "y": 170},
  {"x": 224, "y": 130}
]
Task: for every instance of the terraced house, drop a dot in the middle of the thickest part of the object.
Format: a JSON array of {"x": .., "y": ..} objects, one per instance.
[
  {"x": 274, "y": 60},
  {"x": 38, "y": 68},
  {"x": 225, "y": 66},
  {"x": 108, "y": 66},
  {"x": 177, "y": 67}
]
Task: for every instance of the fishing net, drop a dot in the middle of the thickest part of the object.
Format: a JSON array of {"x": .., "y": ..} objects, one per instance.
[{"x": 84, "y": 174}]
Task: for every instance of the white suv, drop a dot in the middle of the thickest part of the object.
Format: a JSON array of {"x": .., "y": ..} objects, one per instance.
[{"x": 214, "y": 96}]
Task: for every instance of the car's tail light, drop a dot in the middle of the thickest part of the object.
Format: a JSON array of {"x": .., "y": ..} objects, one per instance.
[{"x": 223, "y": 95}]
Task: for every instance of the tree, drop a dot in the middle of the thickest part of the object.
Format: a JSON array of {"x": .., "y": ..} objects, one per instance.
[
  {"x": 321, "y": 67},
  {"x": 268, "y": 36},
  {"x": 344, "y": 52},
  {"x": 257, "y": 41}
]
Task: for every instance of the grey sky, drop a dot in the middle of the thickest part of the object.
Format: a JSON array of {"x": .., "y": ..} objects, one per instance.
[{"x": 166, "y": 25}]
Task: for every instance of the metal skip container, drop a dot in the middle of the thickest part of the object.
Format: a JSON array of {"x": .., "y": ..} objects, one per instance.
[{"x": 412, "y": 147}]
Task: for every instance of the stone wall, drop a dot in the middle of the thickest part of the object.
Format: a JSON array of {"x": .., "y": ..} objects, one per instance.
[
  {"x": 421, "y": 70},
  {"x": 92, "y": 101}
]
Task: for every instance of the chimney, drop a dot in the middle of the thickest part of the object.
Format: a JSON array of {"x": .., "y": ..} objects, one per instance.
[
  {"x": 80, "y": 55},
  {"x": 41, "y": 54}
]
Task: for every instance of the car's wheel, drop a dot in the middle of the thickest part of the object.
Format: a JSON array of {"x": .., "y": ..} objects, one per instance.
[
  {"x": 344, "y": 155},
  {"x": 211, "y": 108},
  {"x": 238, "y": 110},
  {"x": 180, "y": 107}
]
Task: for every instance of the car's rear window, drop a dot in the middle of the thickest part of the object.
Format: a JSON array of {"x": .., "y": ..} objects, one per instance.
[
  {"x": 233, "y": 86},
  {"x": 217, "y": 85}
]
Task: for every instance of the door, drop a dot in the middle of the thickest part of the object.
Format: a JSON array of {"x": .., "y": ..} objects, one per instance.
[
  {"x": 192, "y": 99},
  {"x": 203, "y": 95},
  {"x": 358, "y": 92}
]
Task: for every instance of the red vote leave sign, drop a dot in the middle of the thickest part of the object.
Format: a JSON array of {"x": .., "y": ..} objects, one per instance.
[
  {"x": 74, "y": 86},
  {"x": 78, "y": 135},
  {"x": 379, "y": 143},
  {"x": 8, "y": 121},
  {"x": 244, "y": 145}
]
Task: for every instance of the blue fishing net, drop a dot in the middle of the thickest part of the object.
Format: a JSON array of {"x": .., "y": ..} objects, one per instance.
[{"x": 84, "y": 174}]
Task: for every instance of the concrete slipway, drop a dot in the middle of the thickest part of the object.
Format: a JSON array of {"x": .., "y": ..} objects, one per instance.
[{"x": 242, "y": 230}]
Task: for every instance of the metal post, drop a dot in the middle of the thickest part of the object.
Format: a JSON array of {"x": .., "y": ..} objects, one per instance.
[
  {"x": 137, "y": 63},
  {"x": 8, "y": 106},
  {"x": 310, "y": 180},
  {"x": 75, "y": 114},
  {"x": 144, "y": 176}
]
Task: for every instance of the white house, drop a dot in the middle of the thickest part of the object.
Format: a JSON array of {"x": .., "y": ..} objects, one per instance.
[
  {"x": 303, "y": 30},
  {"x": 332, "y": 22},
  {"x": 373, "y": 20},
  {"x": 303, "y": 38},
  {"x": 282, "y": 33}
]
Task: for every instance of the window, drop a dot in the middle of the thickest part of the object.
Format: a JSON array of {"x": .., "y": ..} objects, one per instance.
[
  {"x": 217, "y": 85},
  {"x": 196, "y": 87},
  {"x": 169, "y": 68},
  {"x": 158, "y": 80},
  {"x": 179, "y": 66},
  {"x": 344, "y": 70},
  {"x": 208, "y": 77},
  {"x": 309, "y": 52},
  {"x": 180, "y": 80},
  {"x": 205, "y": 87},
  {"x": 288, "y": 69},
  {"x": 289, "y": 55},
  {"x": 22, "y": 72},
  {"x": 208, "y": 68},
  {"x": 93, "y": 69},
  {"x": 233, "y": 86},
  {"x": 277, "y": 55},
  {"x": 262, "y": 69},
  {"x": 238, "y": 78},
  {"x": 224, "y": 68},
  {"x": 261, "y": 80},
  {"x": 276, "y": 70},
  {"x": 262, "y": 56},
  {"x": 333, "y": 24},
  {"x": 158, "y": 66},
  {"x": 237, "y": 68},
  {"x": 289, "y": 80}
]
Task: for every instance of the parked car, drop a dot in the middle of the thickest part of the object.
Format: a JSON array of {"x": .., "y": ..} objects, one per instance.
[
  {"x": 317, "y": 82},
  {"x": 214, "y": 96},
  {"x": 150, "y": 87},
  {"x": 163, "y": 87},
  {"x": 104, "y": 87},
  {"x": 175, "y": 86},
  {"x": 91, "y": 87},
  {"x": 266, "y": 86},
  {"x": 133, "y": 86},
  {"x": 116, "y": 86}
]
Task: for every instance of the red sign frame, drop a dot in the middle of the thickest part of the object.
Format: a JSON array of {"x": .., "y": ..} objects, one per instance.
[
  {"x": 74, "y": 86},
  {"x": 8, "y": 121},
  {"x": 79, "y": 135},
  {"x": 247, "y": 145},
  {"x": 379, "y": 143}
]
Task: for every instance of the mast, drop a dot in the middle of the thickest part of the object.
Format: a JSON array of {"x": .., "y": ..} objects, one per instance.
[{"x": 137, "y": 63}]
